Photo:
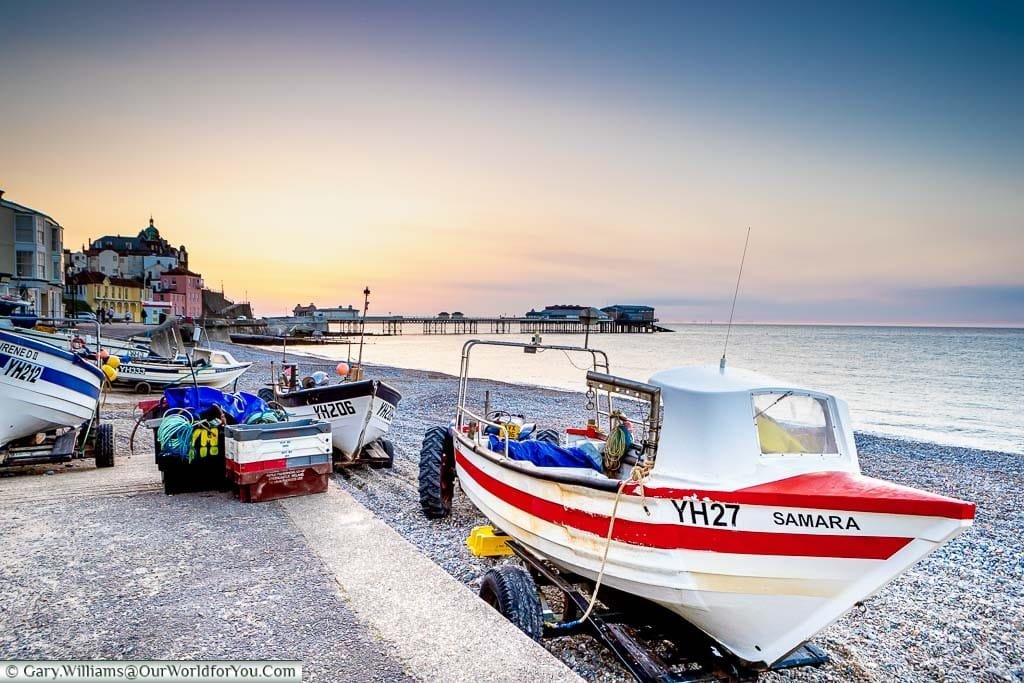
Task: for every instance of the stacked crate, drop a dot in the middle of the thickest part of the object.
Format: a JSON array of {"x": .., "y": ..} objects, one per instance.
[{"x": 271, "y": 461}]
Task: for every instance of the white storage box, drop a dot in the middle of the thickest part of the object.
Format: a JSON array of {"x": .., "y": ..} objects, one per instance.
[{"x": 303, "y": 442}]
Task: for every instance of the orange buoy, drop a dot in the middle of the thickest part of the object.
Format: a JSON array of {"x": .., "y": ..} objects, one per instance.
[{"x": 342, "y": 369}]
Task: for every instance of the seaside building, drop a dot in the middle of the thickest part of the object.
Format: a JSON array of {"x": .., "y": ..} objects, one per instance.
[
  {"x": 155, "y": 312},
  {"x": 31, "y": 257},
  {"x": 145, "y": 256},
  {"x": 630, "y": 313},
  {"x": 183, "y": 289},
  {"x": 101, "y": 291},
  {"x": 567, "y": 312},
  {"x": 335, "y": 313}
]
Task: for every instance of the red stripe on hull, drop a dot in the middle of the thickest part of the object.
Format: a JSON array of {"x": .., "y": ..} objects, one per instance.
[
  {"x": 680, "y": 537},
  {"x": 833, "y": 491}
]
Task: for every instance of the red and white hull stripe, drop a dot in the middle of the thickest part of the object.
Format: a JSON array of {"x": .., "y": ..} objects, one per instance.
[{"x": 761, "y": 569}]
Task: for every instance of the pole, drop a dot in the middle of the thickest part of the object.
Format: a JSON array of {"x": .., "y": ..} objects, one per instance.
[{"x": 362, "y": 329}]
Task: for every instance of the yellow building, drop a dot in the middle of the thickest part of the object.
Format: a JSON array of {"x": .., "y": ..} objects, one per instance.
[{"x": 116, "y": 294}]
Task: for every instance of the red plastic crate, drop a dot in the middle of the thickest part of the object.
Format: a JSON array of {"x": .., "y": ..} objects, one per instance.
[{"x": 258, "y": 487}]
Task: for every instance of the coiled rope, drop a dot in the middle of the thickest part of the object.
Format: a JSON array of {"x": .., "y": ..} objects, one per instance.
[
  {"x": 175, "y": 433},
  {"x": 638, "y": 475}
]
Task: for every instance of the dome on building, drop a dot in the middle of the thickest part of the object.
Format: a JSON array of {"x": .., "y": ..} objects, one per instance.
[{"x": 150, "y": 234}]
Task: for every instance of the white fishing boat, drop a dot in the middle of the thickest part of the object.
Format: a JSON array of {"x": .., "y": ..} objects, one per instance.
[
  {"x": 202, "y": 366},
  {"x": 360, "y": 413},
  {"x": 731, "y": 499},
  {"x": 43, "y": 387}
]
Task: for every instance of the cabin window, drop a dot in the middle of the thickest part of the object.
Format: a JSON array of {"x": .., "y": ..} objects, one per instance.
[{"x": 792, "y": 423}]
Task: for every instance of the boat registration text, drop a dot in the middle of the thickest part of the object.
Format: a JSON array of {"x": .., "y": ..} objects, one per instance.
[
  {"x": 22, "y": 370},
  {"x": 333, "y": 411}
]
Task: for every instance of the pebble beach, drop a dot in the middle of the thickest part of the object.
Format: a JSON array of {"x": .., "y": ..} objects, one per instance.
[{"x": 956, "y": 616}]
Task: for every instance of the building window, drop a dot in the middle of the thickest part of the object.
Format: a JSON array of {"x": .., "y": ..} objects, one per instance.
[
  {"x": 55, "y": 273},
  {"x": 23, "y": 265},
  {"x": 41, "y": 265},
  {"x": 23, "y": 227},
  {"x": 55, "y": 239},
  {"x": 40, "y": 239}
]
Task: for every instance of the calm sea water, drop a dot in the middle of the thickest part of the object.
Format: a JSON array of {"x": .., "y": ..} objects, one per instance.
[{"x": 955, "y": 386}]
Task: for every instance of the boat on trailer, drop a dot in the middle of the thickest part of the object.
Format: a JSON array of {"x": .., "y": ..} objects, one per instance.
[
  {"x": 360, "y": 412},
  {"x": 49, "y": 404},
  {"x": 731, "y": 499}
]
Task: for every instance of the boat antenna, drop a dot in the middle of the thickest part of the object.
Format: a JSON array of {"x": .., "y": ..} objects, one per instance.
[
  {"x": 362, "y": 327},
  {"x": 735, "y": 294}
]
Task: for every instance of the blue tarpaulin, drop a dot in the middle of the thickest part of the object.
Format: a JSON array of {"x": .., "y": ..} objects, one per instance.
[
  {"x": 544, "y": 454},
  {"x": 239, "y": 407}
]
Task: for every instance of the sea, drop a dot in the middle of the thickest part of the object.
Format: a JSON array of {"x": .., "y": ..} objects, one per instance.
[{"x": 952, "y": 386}]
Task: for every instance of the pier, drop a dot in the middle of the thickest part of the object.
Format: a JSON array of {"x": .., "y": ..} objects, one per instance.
[{"x": 466, "y": 325}]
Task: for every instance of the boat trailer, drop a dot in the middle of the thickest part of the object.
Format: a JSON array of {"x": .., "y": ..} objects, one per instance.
[{"x": 652, "y": 643}]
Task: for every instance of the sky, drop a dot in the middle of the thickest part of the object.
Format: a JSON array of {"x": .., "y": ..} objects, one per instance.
[{"x": 493, "y": 158}]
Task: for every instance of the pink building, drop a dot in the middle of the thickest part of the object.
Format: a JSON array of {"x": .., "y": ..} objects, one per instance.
[{"x": 183, "y": 289}]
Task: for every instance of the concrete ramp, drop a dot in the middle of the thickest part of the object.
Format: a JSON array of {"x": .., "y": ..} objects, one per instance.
[{"x": 438, "y": 628}]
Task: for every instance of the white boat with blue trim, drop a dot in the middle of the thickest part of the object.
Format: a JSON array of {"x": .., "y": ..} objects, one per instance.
[
  {"x": 43, "y": 387},
  {"x": 205, "y": 367}
]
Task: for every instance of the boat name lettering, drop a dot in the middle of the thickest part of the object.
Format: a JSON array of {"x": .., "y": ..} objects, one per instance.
[
  {"x": 332, "y": 411},
  {"x": 815, "y": 521},
  {"x": 131, "y": 370},
  {"x": 19, "y": 351},
  {"x": 386, "y": 412},
  {"x": 23, "y": 370},
  {"x": 700, "y": 512}
]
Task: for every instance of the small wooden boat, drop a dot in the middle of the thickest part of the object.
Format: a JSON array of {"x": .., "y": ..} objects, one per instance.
[{"x": 733, "y": 500}]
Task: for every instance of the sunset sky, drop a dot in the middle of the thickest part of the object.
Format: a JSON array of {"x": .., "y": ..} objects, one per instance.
[{"x": 490, "y": 159}]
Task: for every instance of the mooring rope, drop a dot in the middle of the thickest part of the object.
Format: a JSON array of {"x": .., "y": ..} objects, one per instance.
[{"x": 637, "y": 476}]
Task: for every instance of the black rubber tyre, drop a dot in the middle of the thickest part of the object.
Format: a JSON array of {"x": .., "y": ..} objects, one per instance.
[
  {"x": 511, "y": 590},
  {"x": 143, "y": 388},
  {"x": 547, "y": 436},
  {"x": 266, "y": 394},
  {"x": 103, "y": 449},
  {"x": 437, "y": 473},
  {"x": 389, "y": 448}
]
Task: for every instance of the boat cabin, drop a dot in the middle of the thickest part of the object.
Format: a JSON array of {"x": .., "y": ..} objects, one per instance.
[
  {"x": 732, "y": 425},
  {"x": 696, "y": 426}
]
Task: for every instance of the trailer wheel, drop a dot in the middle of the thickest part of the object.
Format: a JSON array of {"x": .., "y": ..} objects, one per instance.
[
  {"x": 511, "y": 590},
  {"x": 143, "y": 388},
  {"x": 437, "y": 473},
  {"x": 103, "y": 450},
  {"x": 389, "y": 448},
  {"x": 547, "y": 436}
]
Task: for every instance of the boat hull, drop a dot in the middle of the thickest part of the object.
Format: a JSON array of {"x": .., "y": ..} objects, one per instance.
[
  {"x": 758, "y": 571},
  {"x": 359, "y": 412},
  {"x": 42, "y": 388},
  {"x": 166, "y": 374}
]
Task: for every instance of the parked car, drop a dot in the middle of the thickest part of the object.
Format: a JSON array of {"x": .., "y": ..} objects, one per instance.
[{"x": 85, "y": 315}]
